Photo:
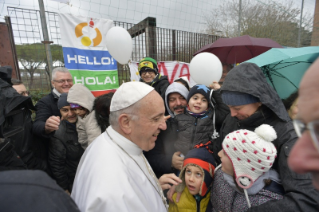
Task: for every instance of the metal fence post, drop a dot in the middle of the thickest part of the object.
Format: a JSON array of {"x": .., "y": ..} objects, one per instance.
[{"x": 46, "y": 41}]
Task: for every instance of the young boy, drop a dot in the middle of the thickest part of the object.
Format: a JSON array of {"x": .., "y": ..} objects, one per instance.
[
  {"x": 196, "y": 124},
  {"x": 82, "y": 100},
  {"x": 197, "y": 176}
]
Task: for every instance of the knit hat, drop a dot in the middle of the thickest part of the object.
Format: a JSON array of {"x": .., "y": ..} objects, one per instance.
[
  {"x": 203, "y": 159},
  {"x": 237, "y": 98},
  {"x": 147, "y": 64},
  {"x": 251, "y": 153},
  {"x": 202, "y": 89},
  {"x": 128, "y": 94},
  {"x": 62, "y": 102}
]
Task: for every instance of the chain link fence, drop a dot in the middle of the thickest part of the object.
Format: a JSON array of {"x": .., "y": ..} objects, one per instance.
[{"x": 148, "y": 40}]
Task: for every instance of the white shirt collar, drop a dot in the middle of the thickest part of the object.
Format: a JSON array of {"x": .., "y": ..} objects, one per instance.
[
  {"x": 126, "y": 144},
  {"x": 56, "y": 92}
]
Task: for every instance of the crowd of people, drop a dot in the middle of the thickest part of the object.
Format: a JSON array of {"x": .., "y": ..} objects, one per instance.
[{"x": 156, "y": 146}]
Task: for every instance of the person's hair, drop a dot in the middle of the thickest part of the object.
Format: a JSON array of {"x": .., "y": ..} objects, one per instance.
[
  {"x": 16, "y": 82},
  {"x": 183, "y": 82},
  {"x": 59, "y": 69},
  {"x": 290, "y": 100},
  {"x": 102, "y": 110},
  {"x": 132, "y": 111}
]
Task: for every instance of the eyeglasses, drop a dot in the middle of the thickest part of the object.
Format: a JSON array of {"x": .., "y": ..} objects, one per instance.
[
  {"x": 313, "y": 128},
  {"x": 147, "y": 71},
  {"x": 63, "y": 81}
]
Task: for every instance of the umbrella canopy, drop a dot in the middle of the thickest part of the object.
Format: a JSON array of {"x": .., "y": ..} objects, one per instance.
[
  {"x": 239, "y": 49},
  {"x": 284, "y": 68}
]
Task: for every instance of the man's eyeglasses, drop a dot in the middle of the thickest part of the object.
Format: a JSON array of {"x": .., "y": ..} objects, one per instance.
[
  {"x": 147, "y": 71},
  {"x": 313, "y": 128},
  {"x": 63, "y": 81}
]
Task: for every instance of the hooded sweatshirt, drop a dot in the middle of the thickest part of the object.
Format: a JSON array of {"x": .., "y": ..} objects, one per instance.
[
  {"x": 87, "y": 127},
  {"x": 248, "y": 78}
]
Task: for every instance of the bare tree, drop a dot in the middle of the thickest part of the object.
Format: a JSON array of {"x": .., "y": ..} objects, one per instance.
[{"x": 266, "y": 19}]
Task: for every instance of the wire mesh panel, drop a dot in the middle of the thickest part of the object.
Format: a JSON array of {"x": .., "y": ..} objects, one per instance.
[{"x": 148, "y": 40}]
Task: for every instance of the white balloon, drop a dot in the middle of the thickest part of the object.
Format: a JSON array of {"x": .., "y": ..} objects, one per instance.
[
  {"x": 119, "y": 44},
  {"x": 205, "y": 68}
]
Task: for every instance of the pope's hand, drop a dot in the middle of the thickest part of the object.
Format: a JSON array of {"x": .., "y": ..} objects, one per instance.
[{"x": 167, "y": 180}]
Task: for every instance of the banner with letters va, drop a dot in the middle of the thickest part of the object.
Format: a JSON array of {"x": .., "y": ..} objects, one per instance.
[
  {"x": 85, "y": 53},
  {"x": 171, "y": 69}
]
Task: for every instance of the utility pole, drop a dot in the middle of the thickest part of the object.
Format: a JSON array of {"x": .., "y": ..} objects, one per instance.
[
  {"x": 239, "y": 17},
  {"x": 299, "y": 32},
  {"x": 46, "y": 41}
]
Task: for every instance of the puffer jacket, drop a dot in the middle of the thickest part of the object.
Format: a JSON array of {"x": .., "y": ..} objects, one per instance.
[
  {"x": 188, "y": 203},
  {"x": 248, "y": 78},
  {"x": 160, "y": 84},
  {"x": 193, "y": 130},
  {"x": 65, "y": 154},
  {"x": 87, "y": 127}
]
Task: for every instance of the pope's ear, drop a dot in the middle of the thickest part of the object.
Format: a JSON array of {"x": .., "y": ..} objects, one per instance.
[{"x": 124, "y": 123}]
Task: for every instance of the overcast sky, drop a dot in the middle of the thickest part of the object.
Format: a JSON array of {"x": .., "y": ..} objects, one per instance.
[{"x": 187, "y": 15}]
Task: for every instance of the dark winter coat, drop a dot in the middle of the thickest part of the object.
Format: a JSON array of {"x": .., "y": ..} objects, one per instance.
[
  {"x": 32, "y": 191},
  {"x": 193, "y": 130},
  {"x": 160, "y": 84},
  {"x": 160, "y": 157},
  {"x": 65, "y": 154},
  {"x": 300, "y": 193},
  {"x": 16, "y": 151},
  {"x": 46, "y": 107}
]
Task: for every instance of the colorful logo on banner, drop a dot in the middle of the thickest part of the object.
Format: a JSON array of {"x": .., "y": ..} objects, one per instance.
[
  {"x": 86, "y": 40},
  {"x": 85, "y": 53}
]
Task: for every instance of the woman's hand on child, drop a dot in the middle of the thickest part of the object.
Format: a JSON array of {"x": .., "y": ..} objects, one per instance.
[
  {"x": 167, "y": 180},
  {"x": 170, "y": 193}
]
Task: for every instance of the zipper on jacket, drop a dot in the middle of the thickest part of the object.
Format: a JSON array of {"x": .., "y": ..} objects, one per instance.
[
  {"x": 197, "y": 206},
  {"x": 194, "y": 131}
]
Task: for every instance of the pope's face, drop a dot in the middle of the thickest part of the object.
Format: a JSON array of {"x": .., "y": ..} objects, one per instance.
[{"x": 150, "y": 121}]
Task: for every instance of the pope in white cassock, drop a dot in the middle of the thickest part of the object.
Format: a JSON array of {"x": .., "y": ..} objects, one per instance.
[{"x": 113, "y": 174}]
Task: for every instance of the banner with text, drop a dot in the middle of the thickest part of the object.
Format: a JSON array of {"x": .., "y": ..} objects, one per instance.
[
  {"x": 85, "y": 53},
  {"x": 171, "y": 69}
]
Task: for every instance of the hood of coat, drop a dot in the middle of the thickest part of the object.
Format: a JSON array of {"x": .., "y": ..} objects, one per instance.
[
  {"x": 249, "y": 78},
  {"x": 81, "y": 95},
  {"x": 175, "y": 87}
]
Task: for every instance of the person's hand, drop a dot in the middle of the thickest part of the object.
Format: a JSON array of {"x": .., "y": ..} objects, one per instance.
[
  {"x": 167, "y": 180},
  {"x": 215, "y": 86},
  {"x": 170, "y": 193},
  {"x": 52, "y": 124},
  {"x": 177, "y": 160}
]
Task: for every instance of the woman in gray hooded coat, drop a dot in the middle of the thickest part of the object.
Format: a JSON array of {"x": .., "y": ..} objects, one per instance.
[{"x": 252, "y": 102}]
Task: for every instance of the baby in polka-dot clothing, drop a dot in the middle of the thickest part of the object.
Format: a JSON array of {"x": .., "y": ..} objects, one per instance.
[{"x": 245, "y": 178}]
